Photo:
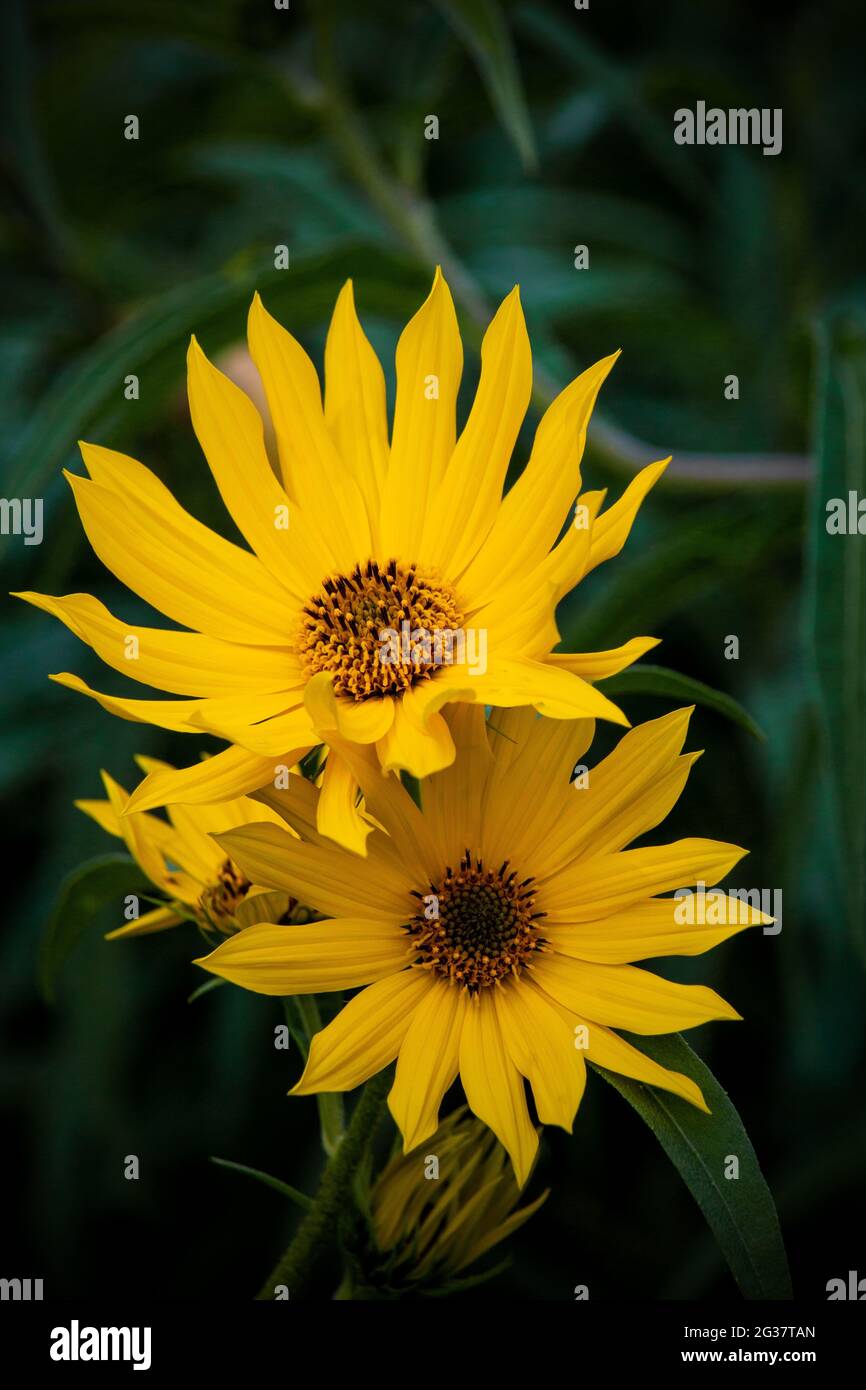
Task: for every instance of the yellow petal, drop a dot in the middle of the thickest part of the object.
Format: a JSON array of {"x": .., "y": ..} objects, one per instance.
[
  {"x": 186, "y": 663},
  {"x": 532, "y": 513},
  {"x": 597, "y": 666},
  {"x": 365, "y": 1036},
  {"x": 359, "y": 721},
  {"x": 415, "y": 747},
  {"x": 542, "y": 1048},
  {"x": 173, "y": 562},
  {"x": 340, "y": 818},
  {"x": 623, "y": 996},
  {"x": 227, "y": 774},
  {"x": 315, "y": 476},
  {"x": 615, "y": 1054},
  {"x": 428, "y": 1061},
  {"x": 103, "y": 813},
  {"x": 355, "y": 410},
  {"x": 324, "y": 878},
  {"x": 626, "y": 794},
  {"x": 144, "y": 836},
  {"x": 592, "y": 888},
  {"x": 165, "y": 714},
  {"x": 611, "y": 529},
  {"x": 465, "y": 504},
  {"x": 650, "y": 929},
  {"x": 529, "y": 791},
  {"x": 556, "y": 693},
  {"x": 229, "y": 429},
  {"x": 321, "y": 956},
  {"x": 453, "y": 799},
  {"x": 493, "y": 1085},
  {"x": 429, "y": 367},
  {"x": 160, "y": 919}
]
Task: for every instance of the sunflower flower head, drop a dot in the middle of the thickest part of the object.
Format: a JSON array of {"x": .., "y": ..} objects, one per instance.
[
  {"x": 198, "y": 880},
  {"x": 493, "y": 933},
  {"x": 384, "y": 576},
  {"x": 434, "y": 1214}
]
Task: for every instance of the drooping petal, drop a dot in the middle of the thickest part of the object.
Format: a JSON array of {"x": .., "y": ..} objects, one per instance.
[
  {"x": 413, "y": 745},
  {"x": 359, "y": 721},
  {"x": 340, "y": 818}
]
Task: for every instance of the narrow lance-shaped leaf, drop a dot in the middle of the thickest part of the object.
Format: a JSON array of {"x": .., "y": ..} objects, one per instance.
[
  {"x": 659, "y": 680},
  {"x": 481, "y": 24},
  {"x": 836, "y": 594},
  {"x": 739, "y": 1210}
]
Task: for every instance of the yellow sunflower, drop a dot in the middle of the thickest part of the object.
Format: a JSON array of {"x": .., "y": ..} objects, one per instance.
[
  {"x": 384, "y": 580},
  {"x": 185, "y": 863},
  {"x": 495, "y": 930},
  {"x": 430, "y": 1224}
]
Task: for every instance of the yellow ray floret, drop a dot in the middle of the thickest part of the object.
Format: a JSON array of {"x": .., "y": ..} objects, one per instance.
[
  {"x": 382, "y": 579},
  {"x": 496, "y": 929},
  {"x": 185, "y": 864}
]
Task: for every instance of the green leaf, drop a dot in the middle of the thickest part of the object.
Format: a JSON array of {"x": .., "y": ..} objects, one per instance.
[
  {"x": 299, "y": 1198},
  {"x": 482, "y": 27},
  {"x": 659, "y": 680},
  {"x": 205, "y": 989},
  {"x": 740, "y": 1212},
  {"x": 836, "y": 592},
  {"x": 87, "y": 889}
]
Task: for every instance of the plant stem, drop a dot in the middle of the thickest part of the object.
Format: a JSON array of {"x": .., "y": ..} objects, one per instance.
[
  {"x": 332, "y": 1119},
  {"x": 318, "y": 1227}
]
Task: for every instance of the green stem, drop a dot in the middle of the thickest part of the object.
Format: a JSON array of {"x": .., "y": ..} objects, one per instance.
[
  {"x": 332, "y": 1118},
  {"x": 318, "y": 1227}
]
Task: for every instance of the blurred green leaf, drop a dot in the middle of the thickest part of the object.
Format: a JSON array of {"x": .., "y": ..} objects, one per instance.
[
  {"x": 299, "y": 1198},
  {"x": 82, "y": 894},
  {"x": 481, "y": 25},
  {"x": 836, "y": 598},
  {"x": 658, "y": 680},
  {"x": 154, "y": 339},
  {"x": 740, "y": 1212}
]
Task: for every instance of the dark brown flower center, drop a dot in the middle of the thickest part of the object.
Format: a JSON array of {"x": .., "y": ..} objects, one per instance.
[
  {"x": 477, "y": 925},
  {"x": 219, "y": 900},
  {"x": 379, "y": 630}
]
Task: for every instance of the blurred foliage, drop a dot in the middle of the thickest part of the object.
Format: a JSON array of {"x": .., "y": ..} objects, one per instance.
[{"x": 305, "y": 127}]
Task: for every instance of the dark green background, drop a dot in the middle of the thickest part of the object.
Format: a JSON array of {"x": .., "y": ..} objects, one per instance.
[{"x": 258, "y": 128}]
